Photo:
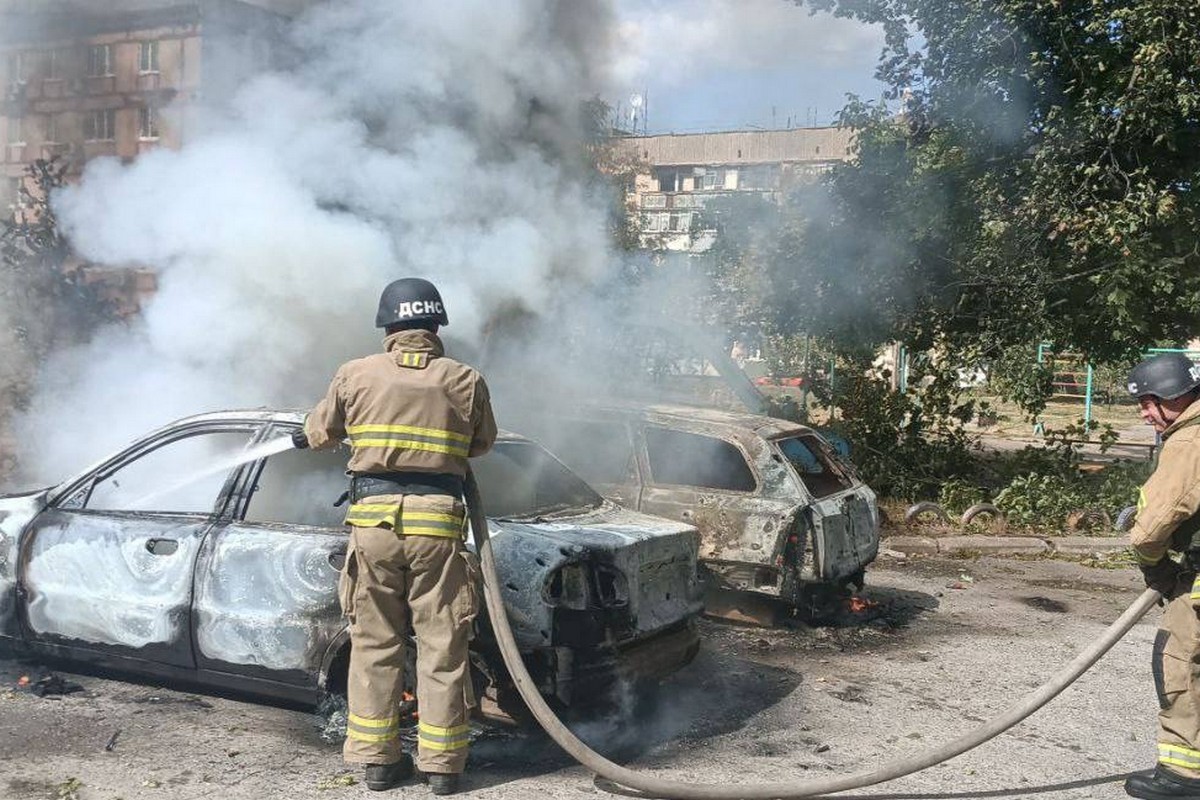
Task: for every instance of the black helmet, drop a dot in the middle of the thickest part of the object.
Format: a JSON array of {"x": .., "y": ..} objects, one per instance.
[
  {"x": 410, "y": 300},
  {"x": 1165, "y": 376}
]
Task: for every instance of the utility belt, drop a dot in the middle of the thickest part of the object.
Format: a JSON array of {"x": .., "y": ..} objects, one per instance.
[{"x": 422, "y": 483}]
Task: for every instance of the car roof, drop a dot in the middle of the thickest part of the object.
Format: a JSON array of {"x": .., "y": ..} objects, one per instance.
[
  {"x": 668, "y": 414},
  {"x": 288, "y": 415}
]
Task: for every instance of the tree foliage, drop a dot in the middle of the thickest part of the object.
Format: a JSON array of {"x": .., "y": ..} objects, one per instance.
[
  {"x": 1038, "y": 183},
  {"x": 44, "y": 299}
]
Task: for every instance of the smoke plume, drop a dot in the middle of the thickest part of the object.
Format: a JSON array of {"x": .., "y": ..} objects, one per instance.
[{"x": 441, "y": 140}]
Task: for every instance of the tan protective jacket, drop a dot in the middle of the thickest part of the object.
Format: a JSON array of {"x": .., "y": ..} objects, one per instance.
[
  {"x": 1171, "y": 496},
  {"x": 409, "y": 409}
]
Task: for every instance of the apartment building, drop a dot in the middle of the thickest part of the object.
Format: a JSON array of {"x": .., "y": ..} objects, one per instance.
[
  {"x": 83, "y": 79},
  {"x": 681, "y": 172}
]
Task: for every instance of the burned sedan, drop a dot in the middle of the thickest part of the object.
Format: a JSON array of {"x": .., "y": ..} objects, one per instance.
[
  {"x": 780, "y": 513},
  {"x": 178, "y": 558}
]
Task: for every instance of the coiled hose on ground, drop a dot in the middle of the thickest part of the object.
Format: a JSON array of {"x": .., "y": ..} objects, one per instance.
[{"x": 653, "y": 786}]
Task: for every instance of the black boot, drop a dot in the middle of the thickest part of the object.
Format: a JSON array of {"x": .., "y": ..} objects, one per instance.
[
  {"x": 1162, "y": 784},
  {"x": 388, "y": 776},
  {"x": 443, "y": 782}
]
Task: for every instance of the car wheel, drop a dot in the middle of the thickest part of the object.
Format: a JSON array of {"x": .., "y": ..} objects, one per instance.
[{"x": 332, "y": 710}]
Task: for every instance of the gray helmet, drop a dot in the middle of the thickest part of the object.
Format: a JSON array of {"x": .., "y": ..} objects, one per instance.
[
  {"x": 410, "y": 300},
  {"x": 1165, "y": 376}
]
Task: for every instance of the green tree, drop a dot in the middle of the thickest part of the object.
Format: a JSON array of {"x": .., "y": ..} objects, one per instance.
[{"x": 1038, "y": 182}]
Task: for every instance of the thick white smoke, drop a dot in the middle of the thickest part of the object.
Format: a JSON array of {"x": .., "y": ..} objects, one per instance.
[{"x": 432, "y": 139}]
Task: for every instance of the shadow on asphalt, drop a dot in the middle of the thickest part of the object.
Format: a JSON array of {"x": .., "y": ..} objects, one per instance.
[
  {"x": 612, "y": 788},
  {"x": 1022, "y": 791},
  {"x": 714, "y": 695}
]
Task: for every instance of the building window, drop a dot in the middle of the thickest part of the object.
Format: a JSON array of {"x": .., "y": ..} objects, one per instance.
[
  {"x": 668, "y": 180},
  {"x": 710, "y": 179},
  {"x": 100, "y": 61},
  {"x": 54, "y": 65},
  {"x": 657, "y": 223},
  {"x": 681, "y": 223},
  {"x": 51, "y": 129},
  {"x": 148, "y": 123},
  {"x": 100, "y": 126},
  {"x": 16, "y": 67},
  {"x": 16, "y": 130},
  {"x": 148, "y": 57}
]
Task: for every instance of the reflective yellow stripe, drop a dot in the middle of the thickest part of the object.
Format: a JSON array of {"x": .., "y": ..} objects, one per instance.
[
  {"x": 430, "y": 447},
  {"x": 431, "y": 523},
  {"x": 366, "y": 729},
  {"x": 1141, "y": 503},
  {"x": 372, "y": 515},
  {"x": 1196, "y": 589},
  {"x": 1178, "y": 756},
  {"x": 434, "y": 737},
  {"x": 434, "y": 730},
  {"x": 437, "y": 433},
  {"x": 433, "y": 516},
  {"x": 367, "y": 722},
  {"x": 444, "y": 746},
  {"x": 410, "y": 437}
]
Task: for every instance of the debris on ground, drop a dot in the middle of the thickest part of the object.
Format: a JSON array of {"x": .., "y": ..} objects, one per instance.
[
  {"x": 190, "y": 700},
  {"x": 112, "y": 741},
  {"x": 68, "y": 789},
  {"x": 49, "y": 685},
  {"x": 336, "y": 782}
]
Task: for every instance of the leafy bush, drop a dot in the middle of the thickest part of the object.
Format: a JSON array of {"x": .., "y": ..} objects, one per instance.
[{"x": 958, "y": 495}]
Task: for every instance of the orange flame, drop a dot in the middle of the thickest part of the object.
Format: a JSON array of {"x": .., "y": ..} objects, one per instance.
[{"x": 860, "y": 604}]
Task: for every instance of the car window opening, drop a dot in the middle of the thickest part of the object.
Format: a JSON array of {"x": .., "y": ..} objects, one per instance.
[
  {"x": 183, "y": 476},
  {"x": 520, "y": 480},
  {"x": 689, "y": 459},
  {"x": 815, "y": 464}
]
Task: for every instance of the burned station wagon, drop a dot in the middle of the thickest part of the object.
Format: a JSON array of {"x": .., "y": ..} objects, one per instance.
[
  {"x": 780, "y": 513},
  {"x": 175, "y": 559}
]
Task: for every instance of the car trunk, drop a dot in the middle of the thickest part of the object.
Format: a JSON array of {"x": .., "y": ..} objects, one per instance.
[{"x": 845, "y": 528}]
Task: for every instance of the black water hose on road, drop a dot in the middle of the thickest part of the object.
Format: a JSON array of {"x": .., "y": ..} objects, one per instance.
[{"x": 654, "y": 786}]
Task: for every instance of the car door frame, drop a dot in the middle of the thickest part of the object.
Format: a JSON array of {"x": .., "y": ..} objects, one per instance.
[
  {"x": 694, "y": 493},
  {"x": 302, "y": 684},
  {"x": 101, "y": 654}
]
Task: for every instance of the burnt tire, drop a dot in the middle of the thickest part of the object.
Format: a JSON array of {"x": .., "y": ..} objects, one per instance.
[
  {"x": 986, "y": 513},
  {"x": 921, "y": 512},
  {"x": 1125, "y": 519}
]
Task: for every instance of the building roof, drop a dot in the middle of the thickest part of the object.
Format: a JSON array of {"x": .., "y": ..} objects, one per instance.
[{"x": 743, "y": 147}]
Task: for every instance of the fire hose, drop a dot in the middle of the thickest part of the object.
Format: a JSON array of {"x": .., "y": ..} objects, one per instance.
[{"x": 644, "y": 785}]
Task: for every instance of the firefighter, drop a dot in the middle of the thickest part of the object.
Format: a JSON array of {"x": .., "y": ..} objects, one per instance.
[
  {"x": 412, "y": 418},
  {"x": 1168, "y": 522}
]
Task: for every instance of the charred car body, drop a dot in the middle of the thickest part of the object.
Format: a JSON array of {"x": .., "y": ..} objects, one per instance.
[
  {"x": 780, "y": 513},
  {"x": 172, "y": 559}
]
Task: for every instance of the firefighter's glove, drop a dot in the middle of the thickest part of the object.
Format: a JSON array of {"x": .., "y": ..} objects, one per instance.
[
  {"x": 1162, "y": 576},
  {"x": 300, "y": 440}
]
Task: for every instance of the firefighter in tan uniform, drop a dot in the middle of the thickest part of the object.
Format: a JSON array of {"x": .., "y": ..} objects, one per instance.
[
  {"x": 1168, "y": 521},
  {"x": 412, "y": 417}
]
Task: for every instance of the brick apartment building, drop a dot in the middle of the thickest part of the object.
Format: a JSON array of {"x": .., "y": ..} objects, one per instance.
[
  {"x": 84, "y": 79},
  {"x": 683, "y": 171}
]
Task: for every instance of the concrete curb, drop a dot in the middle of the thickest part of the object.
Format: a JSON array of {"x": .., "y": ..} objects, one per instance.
[{"x": 1004, "y": 545}]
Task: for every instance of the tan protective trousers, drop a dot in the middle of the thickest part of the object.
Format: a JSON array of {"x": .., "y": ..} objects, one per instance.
[
  {"x": 1177, "y": 678},
  {"x": 388, "y": 576}
]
